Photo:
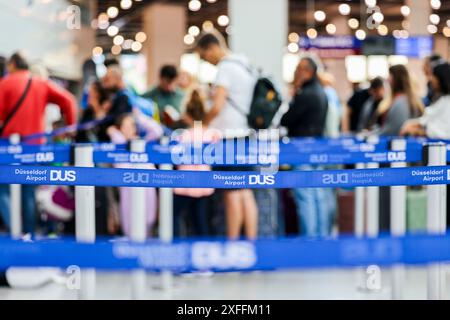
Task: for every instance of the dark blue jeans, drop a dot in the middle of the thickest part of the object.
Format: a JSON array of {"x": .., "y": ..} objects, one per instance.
[
  {"x": 28, "y": 207},
  {"x": 315, "y": 207}
]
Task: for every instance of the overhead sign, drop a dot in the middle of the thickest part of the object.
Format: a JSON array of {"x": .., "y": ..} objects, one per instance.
[
  {"x": 414, "y": 47},
  {"x": 337, "y": 47},
  {"x": 376, "y": 46}
]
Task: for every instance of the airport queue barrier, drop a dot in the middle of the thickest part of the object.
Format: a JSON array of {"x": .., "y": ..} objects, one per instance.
[{"x": 366, "y": 178}]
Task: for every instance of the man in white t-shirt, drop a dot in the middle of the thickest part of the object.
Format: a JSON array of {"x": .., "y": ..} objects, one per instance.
[
  {"x": 233, "y": 92},
  {"x": 235, "y": 77}
]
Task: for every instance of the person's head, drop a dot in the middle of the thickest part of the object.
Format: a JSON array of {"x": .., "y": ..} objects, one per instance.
[
  {"x": 376, "y": 89},
  {"x": 400, "y": 82},
  {"x": 440, "y": 79},
  {"x": 17, "y": 63},
  {"x": 113, "y": 79},
  {"x": 429, "y": 63},
  {"x": 127, "y": 125},
  {"x": 98, "y": 97},
  {"x": 211, "y": 47},
  {"x": 168, "y": 76},
  {"x": 2, "y": 67},
  {"x": 306, "y": 71},
  {"x": 195, "y": 107}
]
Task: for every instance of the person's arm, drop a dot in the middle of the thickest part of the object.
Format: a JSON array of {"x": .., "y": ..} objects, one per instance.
[
  {"x": 346, "y": 119},
  {"x": 296, "y": 110},
  {"x": 153, "y": 130},
  {"x": 219, "y": 101},
  {"x": 116, "y": 136},
  {"x": 64, "y": 100},
  {"x": 412, "y": 127}
]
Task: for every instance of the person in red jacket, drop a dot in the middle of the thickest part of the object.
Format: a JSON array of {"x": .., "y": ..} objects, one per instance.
[{"x": 27, "y": 118}]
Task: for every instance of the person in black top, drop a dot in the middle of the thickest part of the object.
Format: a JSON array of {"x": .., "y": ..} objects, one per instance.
[
  {"x": 307, "y": 112},
  {"x": 113, "y": 82},
  {"x": 354, "y": 107},
  {"x": 428, "y": 64},
  {"x": 99, "y": 103},
  {"x": 99, "y": 106},
  {"x": 2, "y": 67},
  {"x": 367, "y": 115},
  {"x": 307, "y": 117}
]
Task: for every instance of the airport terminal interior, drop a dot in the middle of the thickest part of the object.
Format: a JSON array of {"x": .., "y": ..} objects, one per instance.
[{"x": 224, "y": 149}]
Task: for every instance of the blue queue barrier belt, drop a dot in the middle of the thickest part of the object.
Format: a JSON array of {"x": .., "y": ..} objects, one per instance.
[
  {"x": 220, "y": 256},
  {"x": 75, "y": 176},
  {"x": 292, "y": 153}
]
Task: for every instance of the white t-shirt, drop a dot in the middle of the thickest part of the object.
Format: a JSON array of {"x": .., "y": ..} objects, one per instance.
[
  {"x": 234, "y": 75},
  {"x": 436, "y": 119}
]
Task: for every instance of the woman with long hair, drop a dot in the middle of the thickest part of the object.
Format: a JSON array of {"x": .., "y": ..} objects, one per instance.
[
  {"x": 190, "y": 205},
  {"x": 404, "y": 103},
  {"x": 435, "y": 123}
]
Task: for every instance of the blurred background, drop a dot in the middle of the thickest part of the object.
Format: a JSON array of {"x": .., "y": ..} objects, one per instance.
[{"x": 356, "y": 40}]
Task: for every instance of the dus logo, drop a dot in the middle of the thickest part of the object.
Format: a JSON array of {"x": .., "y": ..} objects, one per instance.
[
  {"x": 45, "y": 157},
  {"x": 238, "y": 255},
  {"x": 131, "y": 177},
  {"x": 318, "y": 158},
  {"x": 335, "y": 178},
  {"x": 262, "y": 180},
  {"x": 365, "y": 147},
  {"x": 63, "y": 176},
  {"x": 15, "y": 149},
  {"x": 396, "y": 156},
  {"x": 139, "y": 157}
]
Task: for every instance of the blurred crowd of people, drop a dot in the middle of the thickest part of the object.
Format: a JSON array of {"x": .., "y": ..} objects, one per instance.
[{"x": 387, "y": 107}]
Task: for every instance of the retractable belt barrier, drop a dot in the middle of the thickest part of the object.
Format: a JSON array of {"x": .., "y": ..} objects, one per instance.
[
  {"x": 293, "y": 152},
  {"x": 220, "y": 256},
  {"x": 76, "y": 176}
]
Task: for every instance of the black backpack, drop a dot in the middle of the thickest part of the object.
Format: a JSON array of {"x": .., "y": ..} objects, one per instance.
[{"x": 265, "y": 103}]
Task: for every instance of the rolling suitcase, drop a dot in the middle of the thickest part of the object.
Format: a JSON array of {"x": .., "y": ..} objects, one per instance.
[{"x": 346, "y": 211}]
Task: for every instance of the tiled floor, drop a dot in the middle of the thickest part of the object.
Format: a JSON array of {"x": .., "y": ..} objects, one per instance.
[{"x": 316, "y": 284}]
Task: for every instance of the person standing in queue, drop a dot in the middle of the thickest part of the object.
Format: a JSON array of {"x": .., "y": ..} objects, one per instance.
[
  {"x": 114, "y": 84},
  {"x": 167, "y": 95},
  {"x": 402, "y": 105},
  {"x": 23, "y": 100},
  {"x": 428, "y": 64},
  {"x": 306, "y": 117},
  {"x": 234, "y": 82},
  {"x": 435, "y": 122}
]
